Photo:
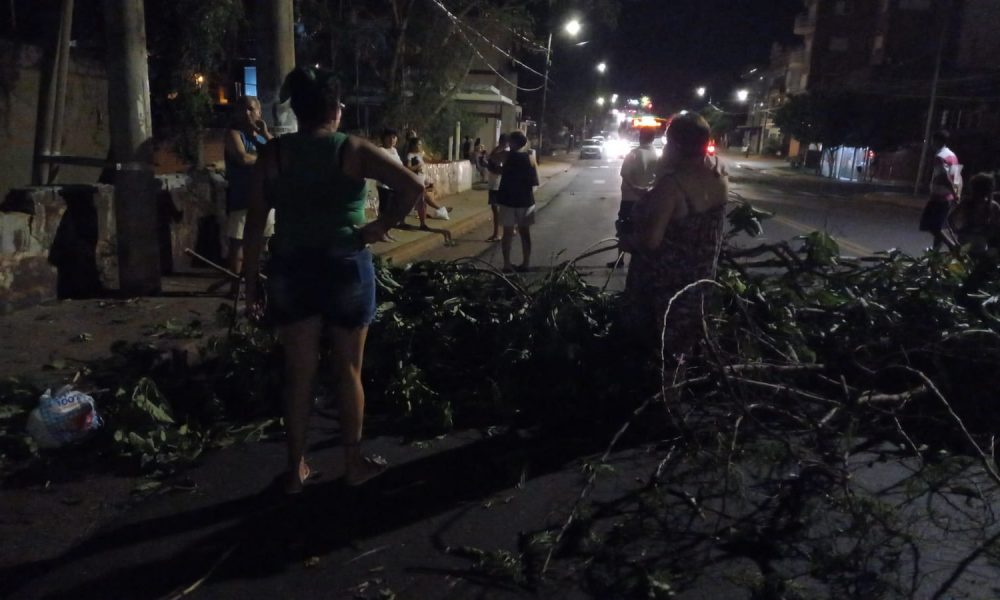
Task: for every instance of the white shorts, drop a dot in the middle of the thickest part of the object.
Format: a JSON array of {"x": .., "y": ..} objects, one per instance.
[
  {"x": 237, "y": 220},
  {"x": 516, "y": 217}
]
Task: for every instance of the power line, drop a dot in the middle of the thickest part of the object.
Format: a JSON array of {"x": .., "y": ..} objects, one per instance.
[{"x": 461, "y": 25}]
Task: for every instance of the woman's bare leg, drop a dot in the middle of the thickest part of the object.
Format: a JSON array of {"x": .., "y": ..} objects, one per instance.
[
  {"x": 525, "y": 232},
  {"x": 301, "y": 344},
  {"x": 347, "y": 353},
  {"x": 505, "y": 244},
  {"x": 496, "y": 222},
  {"x": 234, "y": 261}
]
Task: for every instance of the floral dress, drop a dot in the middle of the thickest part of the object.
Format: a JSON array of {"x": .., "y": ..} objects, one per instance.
[{"x": 689, "y": 252}]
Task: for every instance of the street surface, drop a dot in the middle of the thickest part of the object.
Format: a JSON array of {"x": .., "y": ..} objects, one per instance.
[{"x": 583, "y": 210}]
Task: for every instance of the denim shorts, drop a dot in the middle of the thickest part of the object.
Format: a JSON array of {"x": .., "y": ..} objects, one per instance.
[{"x": 338, "y": 285}]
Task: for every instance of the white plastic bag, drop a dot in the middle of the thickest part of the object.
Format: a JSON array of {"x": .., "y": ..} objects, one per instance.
[{"x": 63, "y": 418}]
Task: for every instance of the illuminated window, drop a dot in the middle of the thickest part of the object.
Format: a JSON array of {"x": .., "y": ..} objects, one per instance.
[{"x": 250, "y": 81}]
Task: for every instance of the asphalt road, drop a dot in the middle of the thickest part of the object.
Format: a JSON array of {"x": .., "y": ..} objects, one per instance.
[{"x": 580, "y": 212}]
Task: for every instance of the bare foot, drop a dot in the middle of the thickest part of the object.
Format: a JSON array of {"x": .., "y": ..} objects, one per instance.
[{"x": 363, "y": 469}]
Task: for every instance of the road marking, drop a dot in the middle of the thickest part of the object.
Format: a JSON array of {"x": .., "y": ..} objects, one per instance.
[
  {"x": 843, "y": 243},
  {"x": 599, "y": 181},
  {"x": 605, "y": 167}
]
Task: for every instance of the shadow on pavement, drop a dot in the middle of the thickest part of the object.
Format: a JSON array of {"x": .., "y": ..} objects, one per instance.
[{"x": 263, "y": 535}]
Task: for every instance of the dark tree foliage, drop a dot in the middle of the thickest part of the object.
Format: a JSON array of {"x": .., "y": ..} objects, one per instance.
[
  {"x": 850, "y": 119},
  {"x": 188, "y": 39}
]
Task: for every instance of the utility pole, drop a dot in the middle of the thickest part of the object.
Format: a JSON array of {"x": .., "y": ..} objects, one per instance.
[
  {"x": 48, "y": 132},
  {"x": 132, "y": 147},
  {"x": 932, "y": 106},
  {"x": 275, "y": 60},
  {"x": 545, "y": 95}
]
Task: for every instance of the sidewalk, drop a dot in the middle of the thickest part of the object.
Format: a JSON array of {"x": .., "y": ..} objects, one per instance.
[
  {"x": 469, "y": 210},
  {"x": 892, "y": 193},
  {"x": 49, "y": 342}
]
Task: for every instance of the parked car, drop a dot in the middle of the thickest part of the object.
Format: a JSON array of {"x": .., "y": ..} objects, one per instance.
[{"x": 592, "y": 148}]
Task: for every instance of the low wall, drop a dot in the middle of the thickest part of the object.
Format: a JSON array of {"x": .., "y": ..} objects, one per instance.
[
  {"x": 59, "y": 241},
  {"x": 450, "y": 177},
  {"x": 53, "y": 239}
]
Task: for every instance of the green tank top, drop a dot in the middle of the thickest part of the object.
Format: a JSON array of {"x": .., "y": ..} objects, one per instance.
[{"x": 317, "y": 206}]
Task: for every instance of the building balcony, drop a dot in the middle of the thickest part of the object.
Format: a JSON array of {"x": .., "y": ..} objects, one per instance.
[{"x": 805, "y": 25}]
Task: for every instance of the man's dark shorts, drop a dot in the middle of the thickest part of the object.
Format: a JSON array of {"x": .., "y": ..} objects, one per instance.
[
  {"x": 935, "y": 215},
  {"x": 339, "y": 286},
  {"x": 493, "y": 196}
]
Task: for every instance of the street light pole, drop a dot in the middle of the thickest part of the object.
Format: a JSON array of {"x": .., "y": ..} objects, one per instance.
[{"x": 545, "y": 95}]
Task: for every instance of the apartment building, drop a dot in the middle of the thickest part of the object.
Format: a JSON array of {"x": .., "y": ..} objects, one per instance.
[{"x": 889, "y": 49}]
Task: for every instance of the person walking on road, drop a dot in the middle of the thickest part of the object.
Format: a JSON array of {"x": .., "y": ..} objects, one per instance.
[
  {"x": 494, "y": 166},
  {"x": 676, "y": 240},
  {"x": 516, "y": 200},
  {"x": 321, "y": 274},
  {"x": 638, "y": 173},
  {"x": 945, "y": 191}
]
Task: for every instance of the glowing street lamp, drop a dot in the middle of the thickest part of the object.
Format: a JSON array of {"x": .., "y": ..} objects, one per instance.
[
  {"x": 602, "y": 67},
  {"x": 600, "y": 101},
  {"x": 742, "y": 95},
  {"x": 701, "y": 91},
  {"x": 614, "y": 98},
  {"x": 572, "y": 28}
]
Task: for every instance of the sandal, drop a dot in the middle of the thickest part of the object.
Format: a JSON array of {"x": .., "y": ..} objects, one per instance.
[
  {"x": 374, "y": 465},
  {"x": 294, "y": 485}
]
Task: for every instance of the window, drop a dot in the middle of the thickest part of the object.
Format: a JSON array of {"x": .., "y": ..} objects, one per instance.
[
  {"x": 914, "y": 4},
  {"x": 842, "y": 7},
  {"x": 250, "y": 81},
  {"x": 839, "y": 44},
  {"x": 879, "y": 42}
]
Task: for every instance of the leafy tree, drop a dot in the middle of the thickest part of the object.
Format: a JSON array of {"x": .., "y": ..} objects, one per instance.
[
  {"x": 850, "y": 118},
  {"x": 418, "y": 57},
  {"x": 188, "y": 39}
]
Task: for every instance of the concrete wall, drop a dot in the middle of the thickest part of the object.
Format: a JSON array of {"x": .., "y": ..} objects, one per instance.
[
  {"x": 31, "y": 219},
  {"x": 450, "y": 177},
  {"x": 86, "y": 123},
  {"x": 80, "y": 221}
]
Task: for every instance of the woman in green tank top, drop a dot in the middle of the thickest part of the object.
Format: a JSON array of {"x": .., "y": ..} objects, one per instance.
[{"x": 321, "y": 270}]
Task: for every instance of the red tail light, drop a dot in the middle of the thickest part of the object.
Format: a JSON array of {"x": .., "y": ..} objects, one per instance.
[{"x": 711, "y": 149}]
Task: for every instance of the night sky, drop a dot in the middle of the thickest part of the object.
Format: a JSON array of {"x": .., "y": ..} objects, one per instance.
[{"x": 667, "y": 47}]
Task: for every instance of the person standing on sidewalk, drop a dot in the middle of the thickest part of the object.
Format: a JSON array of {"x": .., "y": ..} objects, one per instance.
[
  {"x": 945, "y": 190},
  {"x": 387, "y": 144},
  {"x": 494, "y": 165},
  {"x": 321, "y": 274},
  {"x": 516, "y": 200},
  {"x": 638, "y": 173},
  {"x": 244, "y": 139}
]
